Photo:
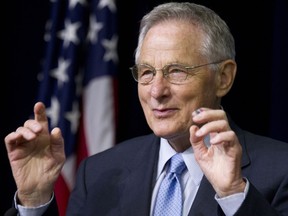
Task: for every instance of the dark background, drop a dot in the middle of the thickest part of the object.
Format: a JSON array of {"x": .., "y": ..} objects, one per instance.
[{"x": 257, "y": 102}]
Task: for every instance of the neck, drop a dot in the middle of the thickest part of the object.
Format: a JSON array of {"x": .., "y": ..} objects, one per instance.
[{"x": 180, "y": 144}]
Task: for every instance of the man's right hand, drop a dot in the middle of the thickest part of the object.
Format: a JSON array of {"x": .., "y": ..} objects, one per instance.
[{"x": 36, "y": 157}]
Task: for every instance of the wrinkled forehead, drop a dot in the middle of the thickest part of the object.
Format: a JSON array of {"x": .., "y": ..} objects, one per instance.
[{"x": 171, "y": 40}]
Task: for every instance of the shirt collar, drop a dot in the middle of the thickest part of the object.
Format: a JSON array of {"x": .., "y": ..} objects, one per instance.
[{"x": 166, "y": 152}]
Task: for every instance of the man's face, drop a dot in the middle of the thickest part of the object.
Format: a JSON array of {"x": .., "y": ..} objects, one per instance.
[{"x": 168, "y": 107}]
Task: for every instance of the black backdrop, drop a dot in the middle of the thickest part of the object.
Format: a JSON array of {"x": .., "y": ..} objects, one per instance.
[{"x": 257, "y": 102}]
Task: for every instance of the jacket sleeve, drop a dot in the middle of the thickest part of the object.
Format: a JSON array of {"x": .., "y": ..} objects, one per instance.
[
  {"x": 51, "y": 210},
  {"x": 256, "y": 204}
]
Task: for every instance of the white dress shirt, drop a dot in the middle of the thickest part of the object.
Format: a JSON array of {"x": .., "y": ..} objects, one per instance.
[{"x": 190, "y": 181}]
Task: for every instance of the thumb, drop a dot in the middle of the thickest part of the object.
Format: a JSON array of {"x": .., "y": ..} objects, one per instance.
[
  {"x": 57, "y": 141},
  {"x": 197, "y": 143}
]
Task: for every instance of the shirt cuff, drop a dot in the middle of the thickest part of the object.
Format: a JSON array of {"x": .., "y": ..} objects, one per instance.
[
  {"x": 31, "y": 211},
  {"x": 232, "y": 203}
]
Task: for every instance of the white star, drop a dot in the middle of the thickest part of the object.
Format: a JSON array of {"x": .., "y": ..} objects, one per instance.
[
  {"x": 73, "y": 117},
  {"x": 53, "y": 112},
  {"x": 73, "y": 3},
  {"x": 111, "y": 49},
  {"x": 69, "y": 33},
  {"x": 109, "y": 3},
  {"x": 60, "y": 73},
  {"x": 94, "y": 28}
]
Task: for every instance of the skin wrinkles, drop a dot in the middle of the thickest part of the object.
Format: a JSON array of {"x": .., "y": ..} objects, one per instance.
[{"x": 168, "y": 107}]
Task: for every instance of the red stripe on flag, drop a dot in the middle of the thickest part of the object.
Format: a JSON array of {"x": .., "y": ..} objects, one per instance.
[
  {"x": 62, "y": 195},
  {"x": 62, "y": 191}
]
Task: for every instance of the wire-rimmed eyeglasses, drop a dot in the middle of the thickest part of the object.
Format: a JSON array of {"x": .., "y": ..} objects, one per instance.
[{"x": 174, "y": 73}]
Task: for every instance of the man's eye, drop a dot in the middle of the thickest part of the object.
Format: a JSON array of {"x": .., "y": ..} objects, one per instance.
[
  {"x": 146, "y": 72},
  {"x": 176, "y": 70},
  {"x": 177, "y": 73}
]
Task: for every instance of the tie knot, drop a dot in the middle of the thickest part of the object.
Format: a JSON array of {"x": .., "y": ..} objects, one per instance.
[{"x": 177, "y": 164}]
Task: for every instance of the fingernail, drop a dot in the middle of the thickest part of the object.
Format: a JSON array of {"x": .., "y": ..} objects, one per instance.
[
  {"x": 196, "y": 112},
  {"x": 198, "y": 133},
  {"x": 36, "y": 127}
]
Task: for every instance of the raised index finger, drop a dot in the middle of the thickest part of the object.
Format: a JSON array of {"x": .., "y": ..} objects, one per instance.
[{"x": 40, "y": 113}]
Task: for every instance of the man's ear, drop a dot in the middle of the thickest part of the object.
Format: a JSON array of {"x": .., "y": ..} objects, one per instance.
[{"x": 225, "y": 77}]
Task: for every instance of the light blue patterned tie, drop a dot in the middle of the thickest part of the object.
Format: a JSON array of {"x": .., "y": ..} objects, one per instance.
[{"x": 169, "y": 198}]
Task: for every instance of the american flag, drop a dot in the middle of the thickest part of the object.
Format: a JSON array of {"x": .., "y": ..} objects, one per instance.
[{"x": 77, "y": 83}]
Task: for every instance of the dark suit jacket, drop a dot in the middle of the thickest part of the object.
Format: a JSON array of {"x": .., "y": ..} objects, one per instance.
[{"x": 120, "y": 180}]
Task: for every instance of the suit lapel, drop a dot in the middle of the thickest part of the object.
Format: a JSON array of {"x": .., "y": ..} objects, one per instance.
[
  {"x": 204, "y": 203},
  {"x": 140, "y": 180},
  {"x": 241, "y": 137}
]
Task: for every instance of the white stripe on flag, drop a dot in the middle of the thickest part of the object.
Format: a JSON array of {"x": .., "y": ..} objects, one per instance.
[
  {"x": 68, "y": 171},
  {"x": 98, "y": 111}
]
